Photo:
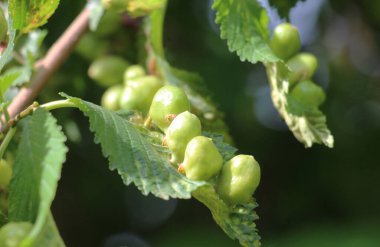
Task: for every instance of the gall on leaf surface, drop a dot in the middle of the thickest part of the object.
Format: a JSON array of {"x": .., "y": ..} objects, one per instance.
[
  {"x": 133, "y": 154},
  {"x": 307, "y": 124}
]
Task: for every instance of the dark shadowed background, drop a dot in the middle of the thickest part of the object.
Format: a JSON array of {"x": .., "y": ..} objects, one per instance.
[{"x": 308, "y": 197}]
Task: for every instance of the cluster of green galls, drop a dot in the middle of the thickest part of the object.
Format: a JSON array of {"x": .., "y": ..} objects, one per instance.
[
  {"x": 286, "y": 45},
  {"x": 168, "y": 108}
]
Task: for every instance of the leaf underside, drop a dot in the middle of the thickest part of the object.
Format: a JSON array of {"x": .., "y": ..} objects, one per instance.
[
  {"x": 36, "y": 172},
  {"x": 308, "y": 125},
  {"x": 236, "y": 221}
]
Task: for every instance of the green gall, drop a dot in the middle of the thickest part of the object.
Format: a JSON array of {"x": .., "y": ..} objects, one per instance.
[
  {"x": 108, "y": 70},
  {"x": 111, "y": 98},
  {"x": 302, "y": 67},
  {"x": 238, "y": 179},
  {"x": 133, "y": 72},
  {"x": 184, "y": 127},
  {"x": 202, "y": 159},
  {"x": 139, "y": 93},
  {"x": 285, "y": 41},
  {"x": 308, "y": 94},
  {"x": 168, "y": 102},
  {"x": 91, "y": 47}
]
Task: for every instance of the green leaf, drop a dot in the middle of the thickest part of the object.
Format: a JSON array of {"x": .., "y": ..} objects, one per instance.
[
  {"x": 244, "y": 24},
  {"x": 8, "y": 79},
  {"x": 236, "y": 221},
  {"x": 154, "y": 27},
  {"x": 96, "y": 12},
  {"x": 283, "y": 6},
  {"x": 308, "y": 125},
  {"x": 31, "y": 48},
  {"x": 132, "y": 154},
  {"x": 30, "y": 52},
  {"x": 227, "y": 151},
  {"x": 7, "y": 53},
  {"x": 49, "y": 235},
  {"x": 36, "y": 172},
  {"x": 137, "y": 8},
  {"x": 28, "y": 15}
]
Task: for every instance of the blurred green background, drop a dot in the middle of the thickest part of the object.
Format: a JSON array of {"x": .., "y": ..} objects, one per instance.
[{"x": 307, "y": 197}]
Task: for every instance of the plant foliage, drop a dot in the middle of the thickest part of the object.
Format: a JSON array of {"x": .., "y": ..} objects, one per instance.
[
  {"x": 308, "y": 125},
  {"x": 244, "y": 24},
  {"x": 133, "y": 156},
  {"x": 36, "y": 172},
  {"x": 28, "y": 15}
]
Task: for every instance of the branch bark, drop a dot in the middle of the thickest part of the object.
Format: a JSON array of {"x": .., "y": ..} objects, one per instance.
[{"x": 53, "y": 60}]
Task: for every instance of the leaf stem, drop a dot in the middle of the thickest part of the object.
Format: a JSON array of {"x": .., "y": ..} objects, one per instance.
[
  {"x": 6, "y": 141},
  {"x": 65, "y": 103},
  {"x": 30, "y": 109}
]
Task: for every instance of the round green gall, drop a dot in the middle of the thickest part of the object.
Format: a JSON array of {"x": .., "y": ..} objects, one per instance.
[
  {"x": 91, "y": 47},
  {"x": 184, "y": 127},
  {"x": 13, "y": 233},
  {"x": 308, "y": 94},
  {"x": 302, "y": 67},
  {"x": 285, "y": 41},
  {"x": 108, "y": 70},
  {"x": 168, "y": 102},
  {"x": 3, "y": 26},
  {"x": 202, "y": 159},
  {"x": 139, "y": 93},
  {"x": 5, "y": 173},
  {"x": 133, "y": 72},
  {"x": 238, "y": 179},
  {"x": 111, "y": 98}
]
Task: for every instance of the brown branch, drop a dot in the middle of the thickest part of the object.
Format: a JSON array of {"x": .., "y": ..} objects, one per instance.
[{"x": 53, "y": 60}]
